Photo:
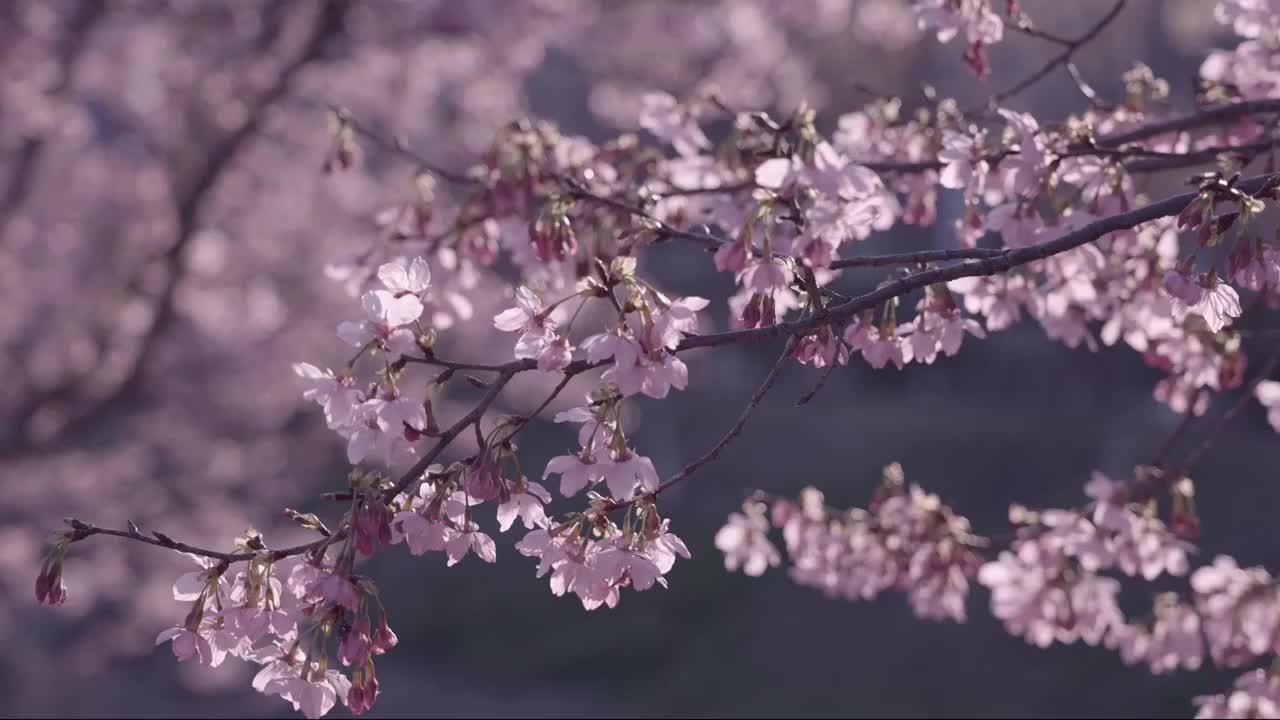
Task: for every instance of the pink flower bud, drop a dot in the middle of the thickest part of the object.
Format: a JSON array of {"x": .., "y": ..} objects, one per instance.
[
  {"x": 384, "y": 638},
  {"x": 355, "y": 699}
]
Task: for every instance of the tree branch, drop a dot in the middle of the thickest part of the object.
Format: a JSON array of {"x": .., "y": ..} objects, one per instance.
[
  {"x": 1063, "y": 58},
  {"x": 82, "y": 530},
  {"x": 988, "y": 266},
  {"x": 1265, "y": 372},
  {"x": 911, "y": 258},
  {"x": 741, "y": 423}
]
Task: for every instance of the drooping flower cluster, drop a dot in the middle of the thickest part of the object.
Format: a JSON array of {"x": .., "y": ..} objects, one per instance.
[
  {"x": 979, "y": 22},
  {"x": 285, "y": 625},
  {"x": 907, "y": 540},
  {"x": 1047, "y": 587},
  {"x": 594, "y": 558}
]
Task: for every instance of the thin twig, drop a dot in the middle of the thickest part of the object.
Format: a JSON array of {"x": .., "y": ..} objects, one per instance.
[
  {"x": 736, "y": 430},
  {"x": 555, "y": 392},
  {"x": 83, "y": 530},
  {"x": 1267, "y": 368},
  {"x": 400, "y": 148},
  {"x": 822, "y": 379},
  {"x": 448, "y": 436},
  {"x": 1187, "y": 418},
  {"x": 1062, "y": 58},
  {"x": 911, "y": 258}
]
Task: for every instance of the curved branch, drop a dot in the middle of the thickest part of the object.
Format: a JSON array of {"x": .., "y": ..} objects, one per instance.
[
  {"x": 448, "y": 436},
  {"x": 989, "y": 266},
  {"x": 82, "y": 530},
  {"x": 1245, "y": 398},
  {"x": 1063, "y": 58},
  {"x": 1003, "y": 261},
  {"x": 1210, "y": 116},
  {"x": 911, "y": 258},
  {"x": 741, "y": 423}
]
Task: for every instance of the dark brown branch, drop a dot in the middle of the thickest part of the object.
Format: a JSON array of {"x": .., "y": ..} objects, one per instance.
[
  {"x": 723, "y": 189},
  {"x": 448, "y": 436},
  {"x": 1203, "y": 118},
  {"x": 82, "y": 530}
]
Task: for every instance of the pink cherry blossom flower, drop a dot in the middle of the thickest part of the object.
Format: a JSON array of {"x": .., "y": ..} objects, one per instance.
[
  {"x": 614, "y": 562},
  {"x": 529, "y": 318},
  {"x": 679, "y": 318},
  {"x": 663, "y": 548},
  {"x": 1268, "y": 393},
  {"x": 1175, "y": 639},
  {"x": 421, "y": 534},
  {"x": 402, "y": 276},
  {"x": 1025, "y": 168},
  {"x": 390, "y": 309},
  {"x": 764, "y": 275},
  {"x": 555, "y": 355},
  {"x": 336, "y": 589},
  {"x": 1240, "y": 611},
  {"x": 483, "y": 482},
  {"x": 624, "y": 472},
  {"x": 744, "y": 540},
  {"x": 525, "y": 502},
  {"x": 338, "y": 396},
  {"x": 637, "y": 368},
  {"x": 672, "y": 123},
  {"x": 311, "y": 691},
  {"x": 1219, "y": 304},
  {"x": 470, "y": 540},
  {"x": 963, "y": 166},
  {"x": 878, "y": 347},
  {"x": 576, "y": 472},
  {"x": 822, "y": 349},
  {"x": 975, "y": 18},
  {"x": 186, "y": 644},
  {"x": 1256, "y": 694}
]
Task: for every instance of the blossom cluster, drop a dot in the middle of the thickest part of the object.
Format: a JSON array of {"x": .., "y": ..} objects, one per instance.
[
  {"x": 284, "y": 620},
  {"x": 1050, "y": 585}
]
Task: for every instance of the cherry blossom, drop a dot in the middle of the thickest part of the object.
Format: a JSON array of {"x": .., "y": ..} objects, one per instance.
[
  {"x": 672, "y": 123},
  {"x": 745, "y": 543},
  {"x": 1268, "y": 393}
]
